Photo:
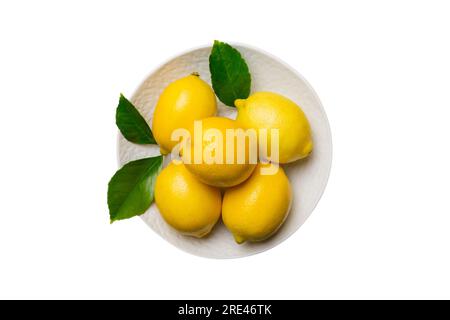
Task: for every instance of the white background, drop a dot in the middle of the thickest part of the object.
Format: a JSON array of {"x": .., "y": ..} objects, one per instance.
[{"x": 382, "y": 71}]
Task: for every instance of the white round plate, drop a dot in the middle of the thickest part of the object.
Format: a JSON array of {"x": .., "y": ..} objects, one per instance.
[{"x": 308, "y": 177}]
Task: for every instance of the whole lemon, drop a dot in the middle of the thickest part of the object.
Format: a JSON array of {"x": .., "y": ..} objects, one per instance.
[
  {"x": 267, "y": 110},
  {"x": 185, "y": 203},
  {"x": 255, "y": 209},
  {"x": 182, "y": 101},
  {"x": 217, "y": 164}
]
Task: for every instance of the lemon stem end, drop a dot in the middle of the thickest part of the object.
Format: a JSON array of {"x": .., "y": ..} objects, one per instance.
[{"x": 239, "y": 103}]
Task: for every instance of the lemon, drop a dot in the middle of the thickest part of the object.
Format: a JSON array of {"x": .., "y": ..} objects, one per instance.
[
  {"x": 217, "y": 171},
  {"x": 267, "y": 110},
  {"x": 182, "y": 101},
  {"x": 185, "y": 203},
  {"x": 255, "y": 209}
]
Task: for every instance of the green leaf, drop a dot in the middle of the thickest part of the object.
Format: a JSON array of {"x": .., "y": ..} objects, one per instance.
[
  {"x": 130, "y": 190},
  {"x": 230, "y": 77},
  {"x": 131, "y": 124}
]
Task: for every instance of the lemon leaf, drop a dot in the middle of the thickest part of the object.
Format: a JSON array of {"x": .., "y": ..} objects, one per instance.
[
  {"x": 130, "y": 190},
  {"x": 230, "y": 76},
  {"x": 131, "y": 124}
]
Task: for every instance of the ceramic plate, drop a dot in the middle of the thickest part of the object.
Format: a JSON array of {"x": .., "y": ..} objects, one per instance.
[{"x": 308, "y": 177}]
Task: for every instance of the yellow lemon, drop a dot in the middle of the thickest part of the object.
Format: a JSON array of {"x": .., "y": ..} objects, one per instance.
[
  {"x": 267, "y": 110},
  {"x": 212, "y": 158},
  {"x": 185, "y": 203},
  {"x": 183, "y": 101},
  {"x": 255, "y": 209}
]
